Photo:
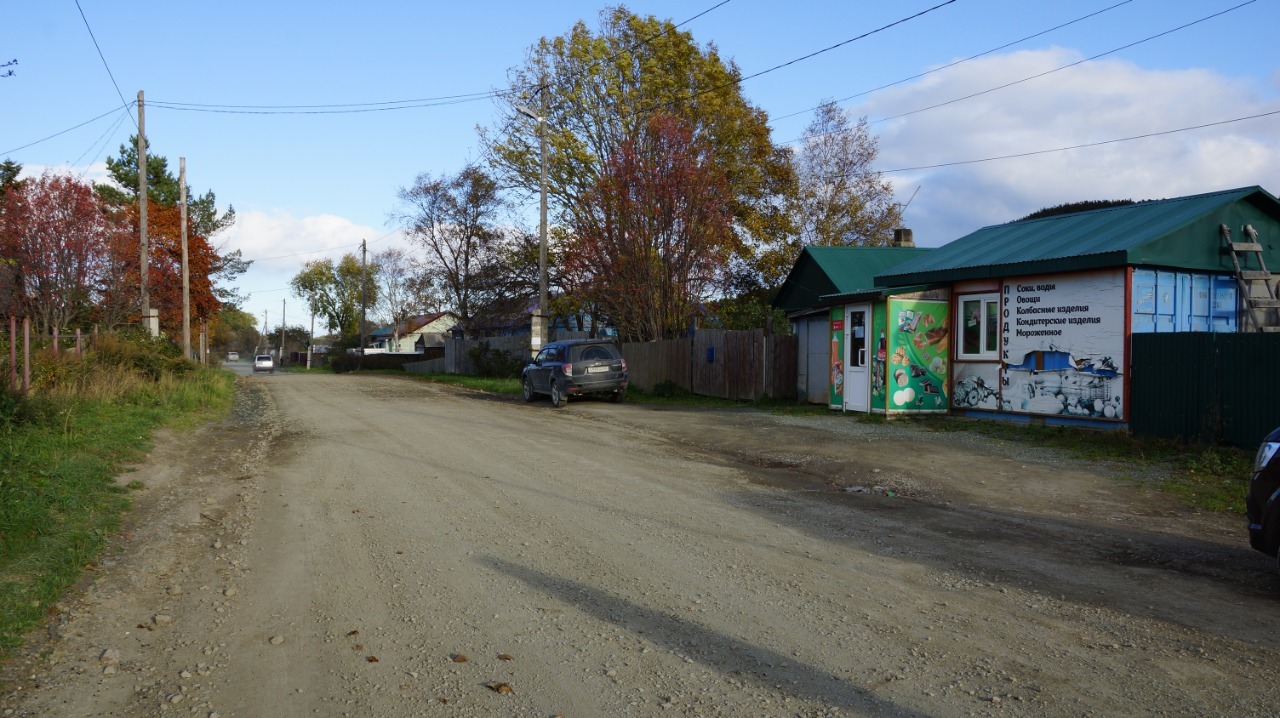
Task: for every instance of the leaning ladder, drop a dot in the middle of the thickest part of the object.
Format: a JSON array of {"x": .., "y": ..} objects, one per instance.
[{"x": 1258, "y": 293}]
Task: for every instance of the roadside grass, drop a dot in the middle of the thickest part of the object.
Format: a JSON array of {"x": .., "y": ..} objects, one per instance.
[
  {"x": 61, "y": 449},
  {"x": 1214, "y": 478}
]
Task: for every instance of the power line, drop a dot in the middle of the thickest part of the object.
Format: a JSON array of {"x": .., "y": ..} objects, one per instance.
[
  {"x": 788, "y": 63},
  {"x": 1076, "y": 147},
  {"x": 957, "y": 62},
  {"x": 123, "y": 102},
  {"x": 101, "y": 142},
  {"x": 63, "y": 132},
  {"x": 328, "y": 249},
  {"x": 1064, "y": 67}
]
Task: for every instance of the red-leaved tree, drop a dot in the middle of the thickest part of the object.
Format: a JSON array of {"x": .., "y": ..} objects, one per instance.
[
  {"x": 57, "y": 237},
  {"x": 658, "y": 236}
]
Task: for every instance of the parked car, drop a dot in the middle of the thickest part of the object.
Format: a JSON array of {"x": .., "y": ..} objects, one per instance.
[
  {"x": 233, "y": 356},
  {"x": 1262, "y": 505},
  {"x": 576, "y": 367},
  {"x": 263, "y": 362}
]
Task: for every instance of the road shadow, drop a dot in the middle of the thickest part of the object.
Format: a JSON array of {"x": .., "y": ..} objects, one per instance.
[{"x": 725, "y": 654}]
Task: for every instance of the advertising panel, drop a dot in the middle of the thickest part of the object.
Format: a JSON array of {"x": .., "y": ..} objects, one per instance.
[
  {"x": 1062, "y": 344},
  {"x": 837, "y": 357},
  {"x": 976, "y": 386},
  {"x": 916, "y": 375},
  {"x": 879, "y": 356}
]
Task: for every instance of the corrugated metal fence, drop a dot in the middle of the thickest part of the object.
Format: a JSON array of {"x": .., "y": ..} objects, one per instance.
[{"x": 1205, "y": 387}]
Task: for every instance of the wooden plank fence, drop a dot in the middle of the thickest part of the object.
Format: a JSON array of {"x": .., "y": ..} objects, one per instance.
[{"x": 744, "y": 365}]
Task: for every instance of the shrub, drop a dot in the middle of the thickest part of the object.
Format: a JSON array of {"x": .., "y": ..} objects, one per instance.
[{"x": 499, "y": 363}]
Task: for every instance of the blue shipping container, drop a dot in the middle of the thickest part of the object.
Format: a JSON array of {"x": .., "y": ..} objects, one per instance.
[{"x": 1168, "y": 301}]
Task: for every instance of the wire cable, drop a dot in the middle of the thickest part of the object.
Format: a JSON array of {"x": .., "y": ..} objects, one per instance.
[
  {"x": 63, "y": 132},
  {"x": 123, "y": 102},
  {"x": 802, "y": 58},
  {"x": 1064, "y": 67},
  {"x": 101, "y": 143},
  {"x": 1075, "y": 147},
  {"x": 958, "y": 62}
]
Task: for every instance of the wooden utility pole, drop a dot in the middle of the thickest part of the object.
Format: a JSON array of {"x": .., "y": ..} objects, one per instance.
[
  {"x": 142, "y": 211},
  {"x": 364, "y": 294},
  {"x": 282, "y": 332},
  {"x": 186, "y": 275}
]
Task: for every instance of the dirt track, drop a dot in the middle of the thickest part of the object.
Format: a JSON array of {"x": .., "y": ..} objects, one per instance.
[{"x": 337, "y": 545}]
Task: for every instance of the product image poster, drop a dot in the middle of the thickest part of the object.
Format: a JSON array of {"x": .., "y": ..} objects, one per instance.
[
  {"x": 1062, "y": 344},
  {"x": 879, "y": 356},
  {"x": 837, "y": 357},
  {"x": 919, "y": 334}
]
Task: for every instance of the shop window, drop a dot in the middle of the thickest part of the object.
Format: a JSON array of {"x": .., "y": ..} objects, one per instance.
[{"x": 979, "y": 326}]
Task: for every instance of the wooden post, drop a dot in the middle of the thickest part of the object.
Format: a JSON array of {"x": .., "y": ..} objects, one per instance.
[
  {"x": 26, "y": 355},
  {"x": 55, "y": 341},
  {"x": 79, "y": 350},
  {"x": 13, "y": 352},
  {"x": 186, "y": 271}
]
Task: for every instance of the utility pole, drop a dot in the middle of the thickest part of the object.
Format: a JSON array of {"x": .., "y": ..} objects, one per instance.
[
  {"x": 142, "y": 213},
  {"x": 282, "y": 332},
  {"x": 264, "y": 336},
  {"x": 311, "y": 339},
  {"x": 364, "y": 296},
  {"x": 186, "y": 272}
]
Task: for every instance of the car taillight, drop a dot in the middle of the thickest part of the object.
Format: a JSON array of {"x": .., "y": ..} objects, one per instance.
[
  {"x": 568, "y": 369},
  {"x": 624, "y": 364}
]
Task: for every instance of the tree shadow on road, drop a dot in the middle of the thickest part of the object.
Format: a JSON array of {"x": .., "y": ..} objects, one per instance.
[{"x": 730, "y": 656}]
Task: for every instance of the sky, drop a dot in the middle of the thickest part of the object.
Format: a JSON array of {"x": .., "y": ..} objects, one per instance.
[{"x": 965, "y": 145}]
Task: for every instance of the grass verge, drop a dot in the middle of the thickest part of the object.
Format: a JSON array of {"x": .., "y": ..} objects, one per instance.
[{"x": 60, "y": 452}]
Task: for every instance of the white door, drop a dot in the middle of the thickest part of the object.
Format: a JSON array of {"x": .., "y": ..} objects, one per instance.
[{"x": 857, "y": 385}]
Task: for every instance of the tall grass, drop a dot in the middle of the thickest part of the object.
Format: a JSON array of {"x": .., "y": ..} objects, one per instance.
[{"x": 61, "y": 448}]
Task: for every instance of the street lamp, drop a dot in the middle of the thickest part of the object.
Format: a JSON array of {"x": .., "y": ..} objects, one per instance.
[{"x": 539, "y": 328}]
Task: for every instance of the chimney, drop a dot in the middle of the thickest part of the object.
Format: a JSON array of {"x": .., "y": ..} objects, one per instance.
[{"x": 902, "y": 238}]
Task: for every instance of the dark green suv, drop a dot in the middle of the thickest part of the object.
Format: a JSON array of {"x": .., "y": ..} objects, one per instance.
[{"x": 574, "y": 368}]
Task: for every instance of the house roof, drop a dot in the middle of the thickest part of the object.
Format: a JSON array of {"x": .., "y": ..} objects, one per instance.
[
  {"x": 822, "y": 271},
  {"x": 1179, "y": 233},
  {"x": 411, "y": 325}
]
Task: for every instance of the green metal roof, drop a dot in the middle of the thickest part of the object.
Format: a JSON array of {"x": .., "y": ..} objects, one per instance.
[
  {"x": 837, "y": 270},
  {"x": 1179, "y": 233}
]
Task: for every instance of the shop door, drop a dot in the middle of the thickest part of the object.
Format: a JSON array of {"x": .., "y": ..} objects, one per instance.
[{"x": 857, "y": 387}]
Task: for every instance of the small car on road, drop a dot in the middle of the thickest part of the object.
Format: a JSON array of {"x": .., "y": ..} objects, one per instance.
[
  {"x": 576, "y": 367},
  {"x": 1262, "y": 504},
  {"x": 233, "y": 356},
  {"x": 263, "y": 362}
]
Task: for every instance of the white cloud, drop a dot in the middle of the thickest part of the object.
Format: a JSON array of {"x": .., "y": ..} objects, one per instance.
[
  {"x": 1093, "y": 102},
  {"x": 279, "y": 241},
  {"x": 95, "y": 173}
]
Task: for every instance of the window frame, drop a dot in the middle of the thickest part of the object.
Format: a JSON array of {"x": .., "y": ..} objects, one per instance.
[{"x": 985, "y": 301}]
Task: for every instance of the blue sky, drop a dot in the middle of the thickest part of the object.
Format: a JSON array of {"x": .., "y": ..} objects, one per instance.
[{"x": 307, "y": 186}]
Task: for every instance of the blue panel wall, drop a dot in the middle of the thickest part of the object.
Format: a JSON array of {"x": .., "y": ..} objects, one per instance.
[{"x": 1167, "y": 301}]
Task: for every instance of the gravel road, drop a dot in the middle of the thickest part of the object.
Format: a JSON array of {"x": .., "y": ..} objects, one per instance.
[{"x": 375, "y": 546}]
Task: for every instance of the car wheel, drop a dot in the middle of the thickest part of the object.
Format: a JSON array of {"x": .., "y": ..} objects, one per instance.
[
  {"x": 617, "y": 396},
  {"x": 558, "y": 398},
  {"x": 528, "y": 389}
]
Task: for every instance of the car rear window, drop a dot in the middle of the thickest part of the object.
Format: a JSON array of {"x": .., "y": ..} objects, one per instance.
[{"x": 597, "y": 352}]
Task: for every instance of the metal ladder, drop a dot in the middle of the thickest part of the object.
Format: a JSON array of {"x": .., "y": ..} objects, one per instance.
[{"x": 1258, "y": 294}]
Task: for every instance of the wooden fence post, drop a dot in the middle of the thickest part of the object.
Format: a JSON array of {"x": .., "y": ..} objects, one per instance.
[
  {"x": 26, "y": 355},
  {"x": 55, "y": 341},
  {"x": 13, "y": 353},
  {"x": 79, "y": 350}
]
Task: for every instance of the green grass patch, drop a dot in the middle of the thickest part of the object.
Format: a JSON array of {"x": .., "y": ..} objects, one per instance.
[{"x": 60, "y": 452}]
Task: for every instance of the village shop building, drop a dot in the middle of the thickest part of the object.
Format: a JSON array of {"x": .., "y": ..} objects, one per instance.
[
  {"x": 825, "y": 339},
  {"x": 1043, "y": 310}
]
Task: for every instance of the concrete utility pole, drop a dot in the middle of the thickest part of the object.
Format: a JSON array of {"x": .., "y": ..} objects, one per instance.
[
  {"x": 282, "y": 301},
  {"x": 311, "y": 339},
  {"x": 142, "y": 215},
  {"x": 186, "y": 272},
  {"x": 265, "y": 337}
]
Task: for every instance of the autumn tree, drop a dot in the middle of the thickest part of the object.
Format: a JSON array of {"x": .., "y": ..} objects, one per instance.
[
  {"x": 236, "y": 330},
  {"x": 660, "y": 233},
  {"x": 335, "y": 290},
  {"x": 597, "y": 91},
  {"x": 453, "y": 219},
  {"x": 404, "y": 289},
  {"x": 842, "y": 199},
  {"x": 204, "y": 219},
  {"x": 56, "y": 238}
]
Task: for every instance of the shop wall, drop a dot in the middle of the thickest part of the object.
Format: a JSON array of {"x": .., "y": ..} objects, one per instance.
[
  {"x": 836, "y": 365},
  {"x": 1062, "y": 344},
  {"x": 918, "y": 340}
]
